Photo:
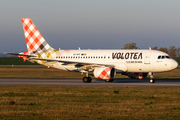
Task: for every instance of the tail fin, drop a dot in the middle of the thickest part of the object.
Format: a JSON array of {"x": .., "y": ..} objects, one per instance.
[{"x": 34, "y": 40}]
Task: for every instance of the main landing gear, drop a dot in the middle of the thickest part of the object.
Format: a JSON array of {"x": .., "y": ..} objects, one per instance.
[
  {"x": 151, "y": 78},
  {"x": 87, "y": 79}
]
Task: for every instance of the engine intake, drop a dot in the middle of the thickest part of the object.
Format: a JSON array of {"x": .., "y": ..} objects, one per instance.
[{"x": 104, "y": 72}]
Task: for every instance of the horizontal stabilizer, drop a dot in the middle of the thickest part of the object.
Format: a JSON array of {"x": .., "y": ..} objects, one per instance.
[{"x": 20, "y": 54}]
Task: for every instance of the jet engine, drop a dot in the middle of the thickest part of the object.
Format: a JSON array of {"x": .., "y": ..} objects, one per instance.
[
  {"x": 104, "y": 72},
  {"x": 137, "y": 75}
]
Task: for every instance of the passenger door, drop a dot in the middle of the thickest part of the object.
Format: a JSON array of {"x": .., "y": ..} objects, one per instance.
[{"x": 147, "y": 58}]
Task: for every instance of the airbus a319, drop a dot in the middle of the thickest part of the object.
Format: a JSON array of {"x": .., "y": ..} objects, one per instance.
[{"x": 102, "y": 64}]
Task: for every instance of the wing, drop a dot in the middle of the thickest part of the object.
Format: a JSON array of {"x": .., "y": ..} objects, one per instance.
[
  {"x": 84, "y": 65},
  {"x": 88, "y": 66}
]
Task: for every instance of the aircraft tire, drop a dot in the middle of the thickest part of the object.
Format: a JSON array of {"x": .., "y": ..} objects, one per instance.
[
  {"x": 110, "y": 80},
  {"x": 87, "y": 79},
  {"x": 152, "y": 81}
]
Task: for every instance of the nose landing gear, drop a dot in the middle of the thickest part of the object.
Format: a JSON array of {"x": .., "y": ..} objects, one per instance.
[{"x": 151, "y": 77}]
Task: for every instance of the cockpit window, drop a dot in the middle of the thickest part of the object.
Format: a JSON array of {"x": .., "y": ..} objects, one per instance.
[
  {"x": 168, "y": 57},
  {"x": 159, "y": 57},
  {"x": 163, "y": 57}
]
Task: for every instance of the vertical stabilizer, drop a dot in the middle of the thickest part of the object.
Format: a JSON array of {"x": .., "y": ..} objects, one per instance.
[{"x": 34, "y": 40}]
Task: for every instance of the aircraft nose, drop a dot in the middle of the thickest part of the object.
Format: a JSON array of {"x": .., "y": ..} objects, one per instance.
[{"x": 174, "y": 64}]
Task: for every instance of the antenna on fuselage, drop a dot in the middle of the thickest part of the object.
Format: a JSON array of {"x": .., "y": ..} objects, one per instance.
[
  {"x": 149, "y": 48},
  {"x": 79, "y": 48}
]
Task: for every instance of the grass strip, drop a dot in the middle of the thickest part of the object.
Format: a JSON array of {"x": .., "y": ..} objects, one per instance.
[
  {"x": 77, "y": 103},
  {"x": 42, "y": 72}
]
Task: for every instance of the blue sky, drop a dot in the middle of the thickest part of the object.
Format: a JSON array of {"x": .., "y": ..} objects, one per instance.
[{"x": 92, "y": 24}]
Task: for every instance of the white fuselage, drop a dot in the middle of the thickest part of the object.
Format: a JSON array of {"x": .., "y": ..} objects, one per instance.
[{"x": 122, "y": 60}]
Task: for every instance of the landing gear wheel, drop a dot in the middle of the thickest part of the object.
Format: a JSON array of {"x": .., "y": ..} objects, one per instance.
[
  {"x": 110, "y": 80},
  {"x": 87, "y": 79},
  {"x": 90, "y": 79},
  {"x": 152, "y": 81}
]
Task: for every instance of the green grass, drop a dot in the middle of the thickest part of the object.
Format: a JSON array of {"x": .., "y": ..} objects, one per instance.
[
  {"x": 14, "y": 61},
  {"x": 177, "y": 59},
  {"x": 109, "y": 103},
  {"x": 42, "y": 72}
]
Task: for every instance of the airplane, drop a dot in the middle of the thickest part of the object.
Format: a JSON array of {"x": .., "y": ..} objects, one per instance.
[{"x": 102, "y": 64}]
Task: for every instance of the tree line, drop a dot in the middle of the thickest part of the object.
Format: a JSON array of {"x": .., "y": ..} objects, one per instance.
[{"x": 172, "y": 51}]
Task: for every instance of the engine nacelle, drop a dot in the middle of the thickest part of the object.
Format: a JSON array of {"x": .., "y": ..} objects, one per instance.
[
  {"x": 137, "y": 75},
  {"x": 104, "y": 72}
]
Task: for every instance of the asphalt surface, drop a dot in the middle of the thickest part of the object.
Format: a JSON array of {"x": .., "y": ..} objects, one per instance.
[{"x": 95, "y": 82}]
